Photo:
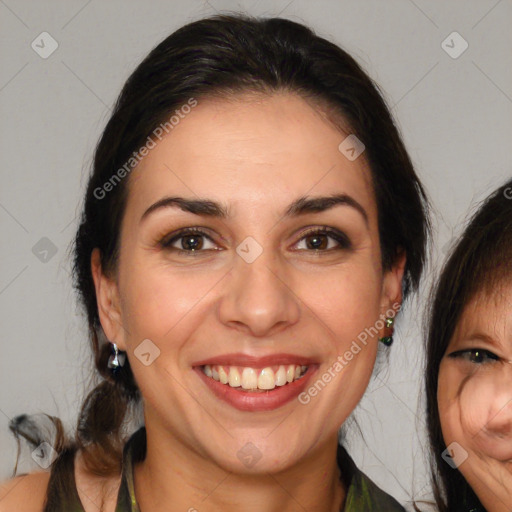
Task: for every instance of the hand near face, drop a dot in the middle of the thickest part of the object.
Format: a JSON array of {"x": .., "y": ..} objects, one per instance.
[{"x": 475, "y": 399}]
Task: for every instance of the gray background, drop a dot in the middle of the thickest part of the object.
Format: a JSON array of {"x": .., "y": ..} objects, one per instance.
[{"x": 454, "y": 113}]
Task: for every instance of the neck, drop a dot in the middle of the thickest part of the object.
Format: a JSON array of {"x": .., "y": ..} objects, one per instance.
[{"x": 174, "y": 475}]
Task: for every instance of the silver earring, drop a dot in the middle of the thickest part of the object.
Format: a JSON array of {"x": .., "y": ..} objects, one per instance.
[{"x": 116, "y": 359}]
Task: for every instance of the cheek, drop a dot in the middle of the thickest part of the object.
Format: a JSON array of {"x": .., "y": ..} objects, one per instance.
[
  {"x": 156, "y": 300},
  {"x": 356, "y": 297},
  {"x": 476, "y": 397},
  {"x": 478, "y": 410},
  {"x": 448, "y": 401},
  {"x": 345, "y": 299},
  {"x": 351, "y": 308},
  {"x": 486, "y": 412},
  {"x": 462, "y": 400},
  {"x": 345, "y": 305}
]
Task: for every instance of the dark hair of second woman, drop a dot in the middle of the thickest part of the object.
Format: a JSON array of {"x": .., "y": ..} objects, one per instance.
[
  {"x": 479, "y": 263},
  {"x": 226, "y": 55}
]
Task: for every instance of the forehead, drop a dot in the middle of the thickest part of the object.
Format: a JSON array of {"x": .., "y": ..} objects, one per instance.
[
  {"x": 489, "y": 312},
  {"x": 254, "y": 151}
]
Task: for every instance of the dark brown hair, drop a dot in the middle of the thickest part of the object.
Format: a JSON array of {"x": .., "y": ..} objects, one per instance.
[
  {"x": 230, "y": 54},
  {"x": 480, "y": 262}
]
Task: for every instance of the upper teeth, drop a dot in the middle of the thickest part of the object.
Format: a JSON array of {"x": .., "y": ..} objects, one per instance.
[{"x": 251, "y": 378}]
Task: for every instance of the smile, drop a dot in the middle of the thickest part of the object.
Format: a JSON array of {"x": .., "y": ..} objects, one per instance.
[{"x": 255, "y": 379}]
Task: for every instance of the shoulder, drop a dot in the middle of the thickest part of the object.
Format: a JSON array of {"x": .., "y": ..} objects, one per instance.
[
  {"x": 362, "y": 492},
  {"x": 367, "y": 492},
  {"x": 24, "y": 493},
  {"x": 28, "y": 492}
]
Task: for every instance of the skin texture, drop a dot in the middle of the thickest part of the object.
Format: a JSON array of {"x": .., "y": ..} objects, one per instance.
[
  {"x": 255, "y": 154},
  {"x": 25, "y": 493},
  {"x": 475, "y": 397}
]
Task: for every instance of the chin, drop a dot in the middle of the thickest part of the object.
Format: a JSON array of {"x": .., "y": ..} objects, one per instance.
[{"x": 256, "y": 455}]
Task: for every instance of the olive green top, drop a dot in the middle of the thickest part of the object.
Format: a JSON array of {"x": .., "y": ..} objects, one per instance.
[{"x": 362, "y": 493}]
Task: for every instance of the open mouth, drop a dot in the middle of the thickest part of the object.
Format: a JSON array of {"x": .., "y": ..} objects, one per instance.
[{"x": 255, "y": 379}]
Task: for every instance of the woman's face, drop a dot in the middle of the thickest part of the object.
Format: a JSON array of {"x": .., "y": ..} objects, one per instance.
[
  {"x": 275, "y": 277},
  {"x": 475, "y": 397}
]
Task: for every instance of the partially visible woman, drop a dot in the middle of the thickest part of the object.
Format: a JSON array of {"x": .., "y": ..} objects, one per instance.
[
  {"x": 251, "y": 227},
  {"x": 469, "y": 365}
]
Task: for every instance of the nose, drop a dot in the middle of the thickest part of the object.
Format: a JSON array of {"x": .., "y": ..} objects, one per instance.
[{"x": 257, "y": 298}]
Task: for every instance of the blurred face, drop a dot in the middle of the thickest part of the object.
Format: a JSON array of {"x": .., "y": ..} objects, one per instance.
[
  {"x": 241, "y": 284},
  {"x": 475, "y": 397}
]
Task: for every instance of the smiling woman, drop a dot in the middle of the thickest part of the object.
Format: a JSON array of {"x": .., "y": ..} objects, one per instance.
[{"x": 231, "y": 268}]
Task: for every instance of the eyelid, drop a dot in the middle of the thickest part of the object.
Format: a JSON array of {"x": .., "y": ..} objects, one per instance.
[
  {"x": 167, "y": 240},
  {"x": 339, "y": 236},
  {"x": 489, "y": 354}
]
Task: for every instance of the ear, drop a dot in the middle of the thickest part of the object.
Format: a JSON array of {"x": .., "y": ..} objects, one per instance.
[
  {"x": 107, "y": 298},
  {"x": 392, "y": 284}
]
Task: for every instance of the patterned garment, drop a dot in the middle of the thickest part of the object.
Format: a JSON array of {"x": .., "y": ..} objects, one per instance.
[{"x": 362, "y": 494}]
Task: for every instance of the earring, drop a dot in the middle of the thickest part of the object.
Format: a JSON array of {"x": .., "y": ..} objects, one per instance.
[
  {"x": 388, "y": 339},
  {"x": 116, "y": 359}
]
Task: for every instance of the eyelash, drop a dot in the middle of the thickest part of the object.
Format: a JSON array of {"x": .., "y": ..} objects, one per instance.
[
  {"x": 467, "y": 355},
  {"x": 341, "y": 238}
]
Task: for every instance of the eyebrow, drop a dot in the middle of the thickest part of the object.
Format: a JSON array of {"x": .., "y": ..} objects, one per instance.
[
  {"x": 301, "y": 206},
  {"x": 478, "y": 336}
]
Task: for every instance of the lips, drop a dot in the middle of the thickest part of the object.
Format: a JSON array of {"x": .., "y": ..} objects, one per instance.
[
  {"x": 255, "y": 399},
  {"x": 239, "y": 359}
]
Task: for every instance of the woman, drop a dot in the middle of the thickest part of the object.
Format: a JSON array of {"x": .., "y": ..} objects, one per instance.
[
  {"x": 250, "y": 229},
  {"x": 468, "y": 379}
]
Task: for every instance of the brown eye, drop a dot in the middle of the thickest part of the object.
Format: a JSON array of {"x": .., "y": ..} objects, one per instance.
[
  {"x": 188, "y": 241},
  {"x": 191, "y": 242},
  {"x": 319, "y": 241},
  {"x": 324, "y": 240}
]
